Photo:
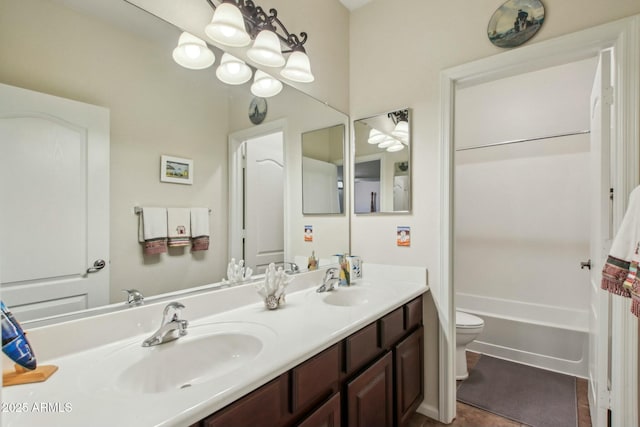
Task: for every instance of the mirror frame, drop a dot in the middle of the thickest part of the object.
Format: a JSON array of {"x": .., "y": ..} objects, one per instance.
[{"x": 354, "y": 158}]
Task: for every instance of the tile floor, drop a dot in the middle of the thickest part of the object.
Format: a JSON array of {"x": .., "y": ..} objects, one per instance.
[{"x": 468, "y": 416}]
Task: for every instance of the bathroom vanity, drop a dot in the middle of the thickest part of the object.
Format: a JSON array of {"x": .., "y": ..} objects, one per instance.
[{"x": 353, "y": 355}]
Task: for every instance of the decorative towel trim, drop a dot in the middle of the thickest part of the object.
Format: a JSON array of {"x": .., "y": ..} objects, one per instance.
[
  {"x": 176, "y": 242},
  {"x": 635, "y": 304},
  {"x": 200, "y": 243},
  {"x": 154, "y": 246},
  {"x": 614, "y": 273}
]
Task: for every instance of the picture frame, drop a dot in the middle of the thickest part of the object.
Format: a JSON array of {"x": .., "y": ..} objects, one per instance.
[
  {"x": 176, "y": 170},
  {"x": 515, "y": 22}
]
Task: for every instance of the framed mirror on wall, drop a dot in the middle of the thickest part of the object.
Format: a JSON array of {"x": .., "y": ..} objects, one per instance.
[
  {"x": 323, "y": 171},
  {"x": 382, "y": 163}
]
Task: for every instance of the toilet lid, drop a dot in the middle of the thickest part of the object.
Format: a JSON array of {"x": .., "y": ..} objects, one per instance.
[{"x": 466, "y": 320}]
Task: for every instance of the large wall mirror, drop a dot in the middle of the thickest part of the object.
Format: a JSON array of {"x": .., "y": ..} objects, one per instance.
[
  {"x": 115, "y": 55},
  {"x": 323, "y": 171},
  {"x": 382, "y": 163}
]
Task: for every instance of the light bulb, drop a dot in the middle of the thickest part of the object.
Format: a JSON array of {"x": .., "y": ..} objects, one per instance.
[
  {"x": 232, "y": 70},
  {"x": 192, "y": 51}
]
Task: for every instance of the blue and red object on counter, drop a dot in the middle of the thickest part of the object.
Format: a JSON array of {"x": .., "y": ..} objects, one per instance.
[{"x": 14, "y": 342}]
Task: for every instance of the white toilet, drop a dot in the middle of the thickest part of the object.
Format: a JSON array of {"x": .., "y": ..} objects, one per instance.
[{"x": 468, "y": 327}]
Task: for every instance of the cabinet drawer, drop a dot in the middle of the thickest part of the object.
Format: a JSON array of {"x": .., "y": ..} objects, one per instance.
[
  {"x": 361, "y": 347},
  {"x": 413, "y": 313},
  {"x": 315, "y": 379},
  {"x": 327, "y": 415},
  {"x": 391, "y": 328},
  {"x": 265, "y": 406}
]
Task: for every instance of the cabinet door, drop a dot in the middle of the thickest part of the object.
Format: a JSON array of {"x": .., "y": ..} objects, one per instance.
[
  {"x": 409, "y": 364},
  {"x": 264, "y": 407},
  {"x": 370, "y": 395},
  {"x": 327, "y": 415}
]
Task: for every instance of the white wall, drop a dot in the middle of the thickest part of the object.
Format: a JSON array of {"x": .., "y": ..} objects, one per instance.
[
  {"x": 398, "y": 50},
  {"x": 522, "y": 210}
]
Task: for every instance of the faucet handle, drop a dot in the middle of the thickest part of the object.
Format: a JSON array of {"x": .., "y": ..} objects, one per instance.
[
  {"x": 332, "y": 273},
  {"x": 134, "y": 297},
  {"x": 176, "y": 307}
]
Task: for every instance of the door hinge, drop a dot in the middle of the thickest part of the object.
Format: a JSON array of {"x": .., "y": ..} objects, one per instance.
[
  {"x": 607, "y": 95},
  {"x": 611, "y": 194}
]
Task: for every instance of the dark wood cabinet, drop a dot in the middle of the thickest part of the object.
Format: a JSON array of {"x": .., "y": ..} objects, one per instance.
[
  {"x": 315, "y": 379},
  {"x": 265, "y": 407},
  {"x": 409, "y": 375},
  {"x": 327, "y": 415},
  {"x": 370, "y": 395},
  {"x": 374, "y": 377}
]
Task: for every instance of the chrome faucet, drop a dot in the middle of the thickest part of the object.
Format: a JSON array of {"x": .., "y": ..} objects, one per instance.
[
  {"x": 294, "y": 267},
  {"x": 331, "y": 278},
  {"x": 134, "y": 297},
  {"x": 172, "y": 326}
]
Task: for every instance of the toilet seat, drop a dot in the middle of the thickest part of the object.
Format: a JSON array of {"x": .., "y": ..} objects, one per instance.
[{"x": 467, "y": 321}]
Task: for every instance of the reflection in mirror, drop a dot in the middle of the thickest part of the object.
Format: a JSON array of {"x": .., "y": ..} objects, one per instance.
[
  {"x": 118, "y": 57},
  {"x": 382, "y": 173},
  {"x": 322, "y": 171}
]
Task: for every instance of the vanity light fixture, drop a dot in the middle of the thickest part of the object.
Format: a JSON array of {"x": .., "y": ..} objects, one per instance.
[
  {"x": 232, "y": 70},
  {"x": 193, "y": 53},
  {"x": 264, "y": 85},
  {"x": 236, "y": 22}
]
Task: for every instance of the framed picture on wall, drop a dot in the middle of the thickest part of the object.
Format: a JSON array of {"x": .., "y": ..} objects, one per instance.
[
  {"x": 515, "y": 22},
  {"x": 176, "y": 170}
]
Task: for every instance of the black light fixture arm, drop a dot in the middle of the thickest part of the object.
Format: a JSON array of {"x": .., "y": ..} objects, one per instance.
[
  {"x": 256, "y": 19},
  {"x": 399, "y": 116}
]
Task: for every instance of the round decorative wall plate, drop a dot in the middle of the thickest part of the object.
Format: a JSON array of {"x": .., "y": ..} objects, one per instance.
[
  {"x": 257, "y": 110},
  {"x": 515, "y": 22}
]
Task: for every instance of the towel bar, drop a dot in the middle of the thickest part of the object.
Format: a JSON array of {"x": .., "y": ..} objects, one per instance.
[{"x": 137, "y": 210}]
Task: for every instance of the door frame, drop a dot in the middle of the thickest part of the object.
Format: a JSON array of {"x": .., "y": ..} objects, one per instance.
[
  {"x": 236, "y": 193},
  {"x": 624, "y": 37}
]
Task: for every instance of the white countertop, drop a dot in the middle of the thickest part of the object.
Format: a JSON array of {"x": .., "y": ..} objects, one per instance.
[{"x": 82, "y": 392}]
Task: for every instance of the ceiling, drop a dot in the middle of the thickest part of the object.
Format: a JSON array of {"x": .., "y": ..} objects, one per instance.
[{"x": 354, "y": 4}]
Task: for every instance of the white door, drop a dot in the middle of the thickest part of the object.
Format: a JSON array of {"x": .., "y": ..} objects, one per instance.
[
  {"x": 601, "y": 235},
  {"x": 54, "y": 187},
  {"x": 264, "y": 201}
]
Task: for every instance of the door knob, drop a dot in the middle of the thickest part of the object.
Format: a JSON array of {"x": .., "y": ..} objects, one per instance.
[
  {"x": 586, "y": 264},
  {"x": 97, "y": 266}
]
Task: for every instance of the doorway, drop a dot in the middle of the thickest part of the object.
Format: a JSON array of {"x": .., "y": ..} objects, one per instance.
[
  {"x": 256, "y": 195},
  {"x": 538, "y": 56}
]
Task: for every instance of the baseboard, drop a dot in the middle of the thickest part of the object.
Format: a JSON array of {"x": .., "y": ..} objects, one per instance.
[{"x": 429, "y": 411}]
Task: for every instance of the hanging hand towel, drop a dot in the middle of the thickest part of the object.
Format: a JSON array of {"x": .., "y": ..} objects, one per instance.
[
  {"x": 619, "y": 275},
  {"x": 179, "y": 230},
  {"x": 200, "y": 229},
  {"x": 152, "y": 230}
]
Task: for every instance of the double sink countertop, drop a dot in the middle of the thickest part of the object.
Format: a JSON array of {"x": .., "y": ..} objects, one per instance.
[{"x": 233, "y": 346}]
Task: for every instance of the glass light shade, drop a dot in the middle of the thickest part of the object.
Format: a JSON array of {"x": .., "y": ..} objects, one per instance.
[
  {"x": 264, "y": 85},
  {"x": 401, "y": 131},
  {"x": 266, "y": 50},
  {"x": 232, "y": 70},
  {"x": 298, "y": 68},
  {"x": 388, "y": 142},
  {"x": 227, "y": 26},
  {"x": 397, "y": 146},
  {"x": 193, "y": 53},
  {"x": 376, "y": 137}
]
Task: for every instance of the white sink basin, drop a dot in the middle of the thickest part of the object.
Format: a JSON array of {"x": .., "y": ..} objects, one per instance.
[
  {"x": 350, "y": 296},
  {"x": 206, "y": 353}
]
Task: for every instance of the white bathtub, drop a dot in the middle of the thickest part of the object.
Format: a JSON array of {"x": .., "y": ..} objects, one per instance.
[{"x": 544, "y": 336}]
